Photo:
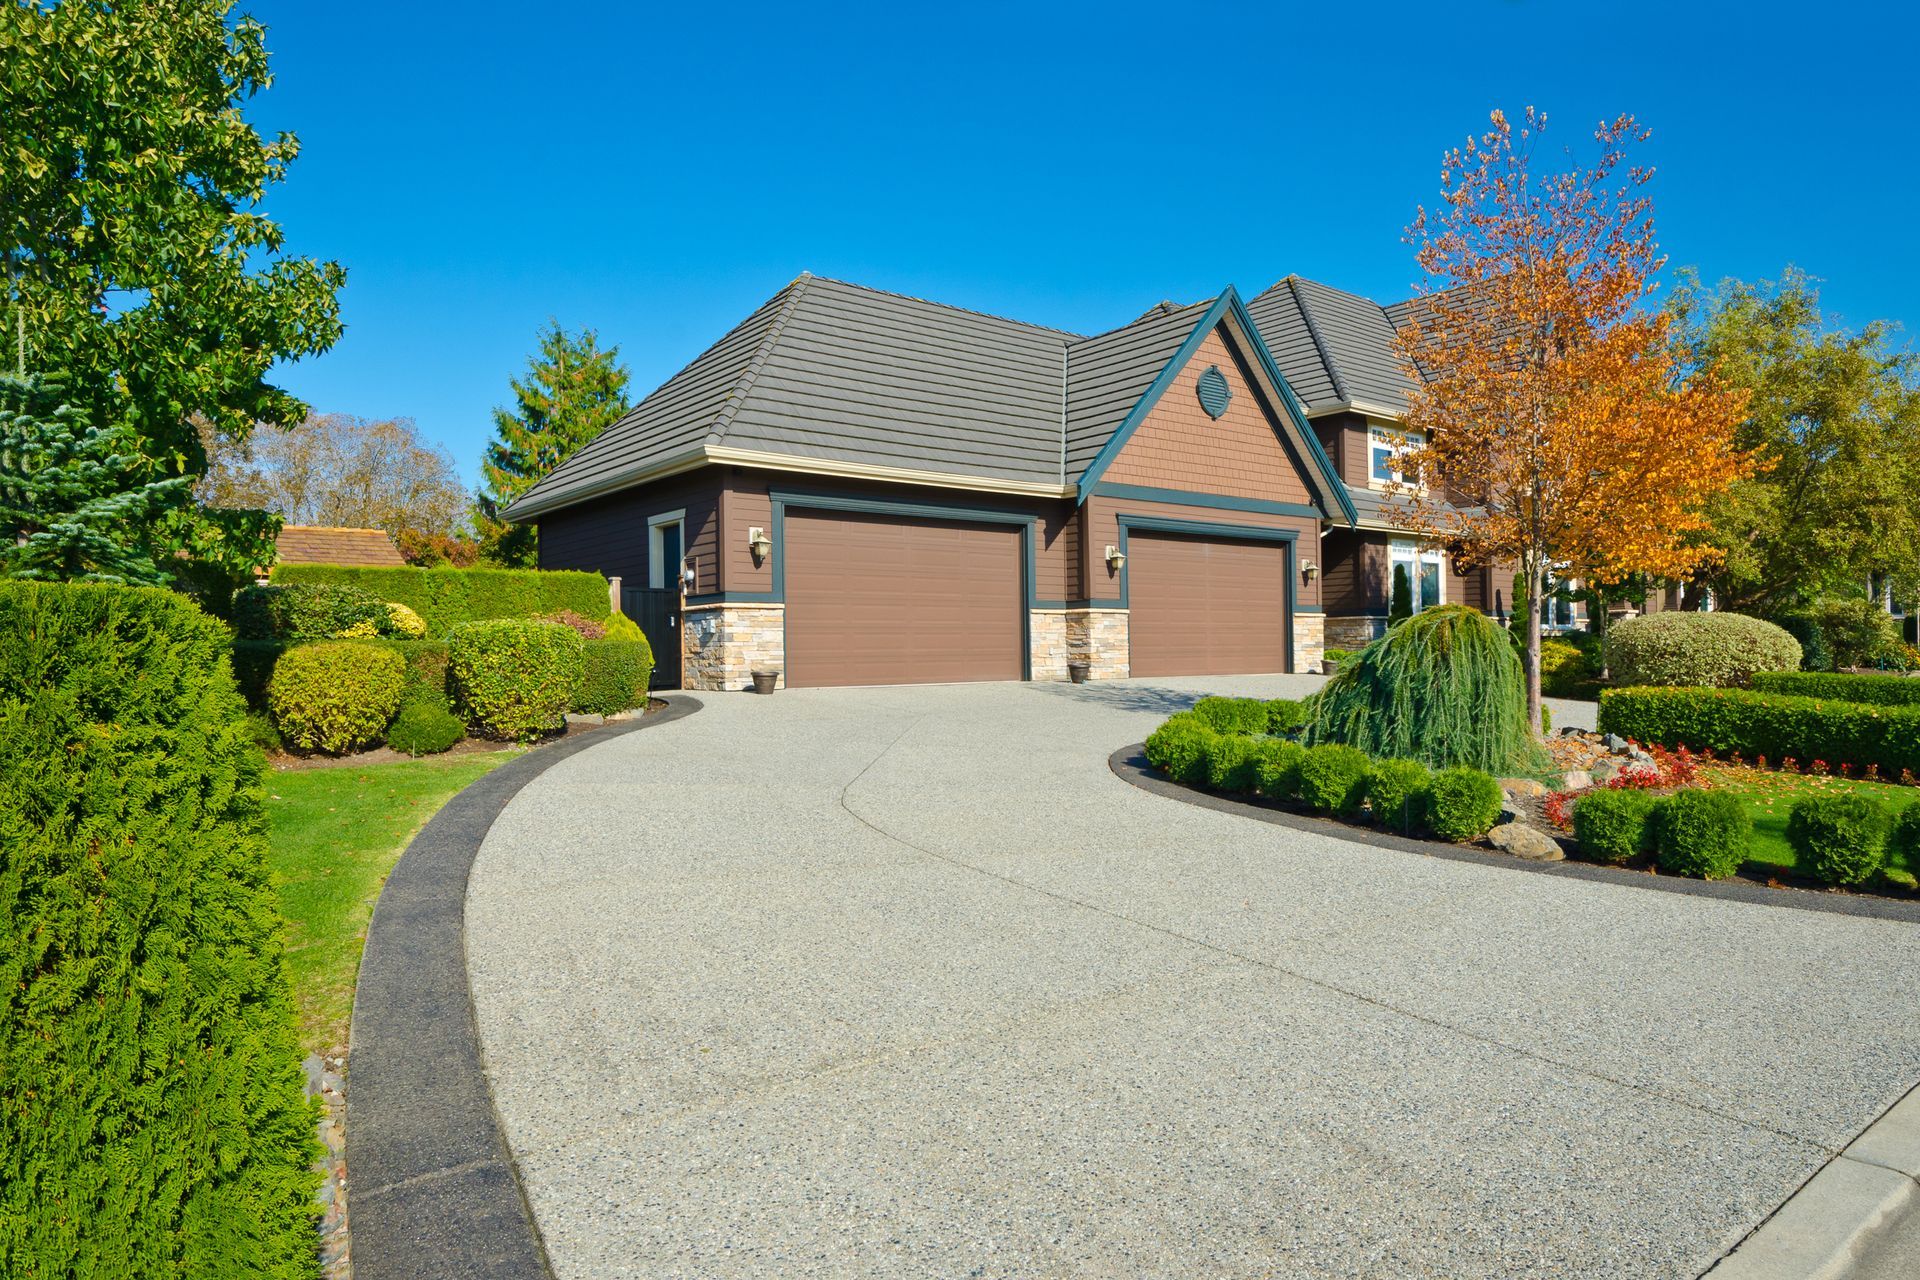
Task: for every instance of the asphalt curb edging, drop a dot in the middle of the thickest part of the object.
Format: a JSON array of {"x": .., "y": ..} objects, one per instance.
[
  {"x": 432, "y": 1187},
  {"x": 1130, "y": 765}
]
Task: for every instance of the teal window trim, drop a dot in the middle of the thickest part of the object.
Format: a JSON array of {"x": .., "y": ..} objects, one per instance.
[
  {"x": 1296, "y": 414},
  {"x": 1214, "y": 501},
  {"x": 1287, "y": 538},
  {"x": 827, "y": 500}
]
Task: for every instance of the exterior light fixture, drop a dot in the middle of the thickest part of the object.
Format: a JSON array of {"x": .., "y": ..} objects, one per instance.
[
  {"x": 1310, "y": 570},
  {"x": 759, "y": 543},
  {"x": 1116, "y": 559},
  {"x": 687, "y": 575}
]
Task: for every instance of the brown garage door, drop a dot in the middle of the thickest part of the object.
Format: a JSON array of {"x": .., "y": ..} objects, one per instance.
[
  {"x": 1204, "y": 606},
  {"x": 879, "y": 600}
]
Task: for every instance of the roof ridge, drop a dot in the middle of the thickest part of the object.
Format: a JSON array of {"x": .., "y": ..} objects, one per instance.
[
  {"x": 1158, "y": 311},
  {"x": 796, "y": 289},
  {"x": 1319, "y": 343},
  {"x": 948, "y": 306}
]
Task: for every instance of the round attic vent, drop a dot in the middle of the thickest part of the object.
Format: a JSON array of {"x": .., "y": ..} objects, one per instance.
[{"x": 1214, "y": 391}]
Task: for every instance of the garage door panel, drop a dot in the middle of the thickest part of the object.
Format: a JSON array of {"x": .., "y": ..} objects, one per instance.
[
  {"x": 877, "y": 600},
  {"x": 1206, "y": 606}
]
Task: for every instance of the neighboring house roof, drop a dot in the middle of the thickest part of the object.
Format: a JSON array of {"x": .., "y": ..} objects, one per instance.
[
  {"x": 321, "y": 544},
  {"x": 876, "y": 383},
  {"x": 1335, "y": 347}
]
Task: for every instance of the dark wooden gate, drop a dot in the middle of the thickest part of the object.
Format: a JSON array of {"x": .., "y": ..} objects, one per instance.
[{"x": 658, "y": 613}]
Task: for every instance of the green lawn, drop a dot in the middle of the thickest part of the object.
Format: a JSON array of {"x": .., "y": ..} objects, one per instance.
[
  {"x": 335, "y": 834},
  {"x": 1770, "y": 796}
]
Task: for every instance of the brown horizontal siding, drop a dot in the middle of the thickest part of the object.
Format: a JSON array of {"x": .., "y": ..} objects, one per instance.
[{"x": 609, "y": 535}]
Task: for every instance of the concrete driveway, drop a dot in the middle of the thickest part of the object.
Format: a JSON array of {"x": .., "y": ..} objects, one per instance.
[{"x": 904, "y": 982}]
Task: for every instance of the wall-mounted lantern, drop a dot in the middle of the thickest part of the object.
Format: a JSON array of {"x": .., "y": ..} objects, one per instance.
[
  {"x": 687, "y": 575},
  {"x": 759, "y": 543},
  {"x": 1309, "y": 571},
  {"x": 1116, "y": 559}
]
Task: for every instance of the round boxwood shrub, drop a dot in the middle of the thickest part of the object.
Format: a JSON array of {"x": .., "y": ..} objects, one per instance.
[
  {"x": 1443, "y": 687},
  {"x": 336, "y": 696},
  {"x": 1397, "y": 793},
  {"x": 615, "y": 676},
  {"x": 1178, "y": 748},
  {"x": 404, "y": 624},
  {"x": 1713, "y": 650},
  {"x": 1462, "y": 803},
  {"x": 1278, "y": 769},
  {"x": 1905, "y": 839},
  {"x": 426, "y": 726},
  {"x": 515, "y": 679},
  {"x": 1839, "y": 838},
  {"x": 1233, "y": 715},
  {"x": 153, "y": 1117},
  {"x": 1284, "y": 715},
  {"x": 1701, "y": 833},
  {"x": 1332, "y": 778},
  {"x": 1233, "y": 764},
  {"x": 1613, "y": 825}
]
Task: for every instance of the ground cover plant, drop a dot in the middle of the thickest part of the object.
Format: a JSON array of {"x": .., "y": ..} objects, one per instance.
[
  {"x": 333, "y": 836},
  {"x": 1444, "y": 687}
]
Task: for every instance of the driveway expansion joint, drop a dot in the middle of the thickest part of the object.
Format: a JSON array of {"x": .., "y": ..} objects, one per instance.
[{"x": 446, "y": 1200}]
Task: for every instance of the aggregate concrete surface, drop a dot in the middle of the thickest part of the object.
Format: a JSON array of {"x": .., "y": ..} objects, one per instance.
[{"x": 883, "y": 982}]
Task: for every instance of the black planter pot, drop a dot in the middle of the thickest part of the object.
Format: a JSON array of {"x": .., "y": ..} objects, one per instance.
[
  {"x": 764, "y": 681},
  {"x": 1077, "y": 672}
]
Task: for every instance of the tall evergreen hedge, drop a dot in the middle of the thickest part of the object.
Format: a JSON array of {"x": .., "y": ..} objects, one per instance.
[
  {"x": 446, "y": 598},
  {"x": 152, "y": 1117}
]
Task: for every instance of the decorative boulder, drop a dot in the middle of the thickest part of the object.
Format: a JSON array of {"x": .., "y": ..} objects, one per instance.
[{"x": 1523, "y": 841}]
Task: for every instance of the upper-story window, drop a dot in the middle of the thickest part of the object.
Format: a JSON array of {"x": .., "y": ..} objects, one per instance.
[{"x": 1385, "y": 450}]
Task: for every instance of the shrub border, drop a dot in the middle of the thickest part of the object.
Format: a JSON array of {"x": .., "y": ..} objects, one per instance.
[
  {"x": 1130, "y": 765},
  {"x": 434, "y": 1191}
]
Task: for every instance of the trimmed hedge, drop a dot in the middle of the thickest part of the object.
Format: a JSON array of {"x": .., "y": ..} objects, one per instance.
[
  {"x": 153, "y": 1117},
  {"x": 1777, "y": 726},
  {"x": 1840, "y": 838},
  {"x": 1463, "y": 803},
  {"x": 308, "y": 612},
  {"x": 1701, "y": 833},
  {"x": 1881, "y": 691},
  {"x": 446, "y": 598},
  {"x": 513, "y": 679},
  {"x": 1332, "y": 777},
  {"x": 616, "y": 676},
  {"x": 1233, "y": 715},
  {"x": 1397, "y": 793},
  {"x": 1233, "y": 764},
  {"x": 1717, "y": 650},
  {"x": 336, "y": 696},
  {"x": 1614, "y": 825}
]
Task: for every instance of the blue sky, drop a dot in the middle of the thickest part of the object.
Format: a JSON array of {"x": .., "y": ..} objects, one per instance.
[{"x": 655, "y": 172}]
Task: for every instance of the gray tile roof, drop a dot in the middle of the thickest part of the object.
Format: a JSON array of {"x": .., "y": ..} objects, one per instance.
[
  {"x": 1334, "y": 347},
  {"x": 852, "y": 375}
]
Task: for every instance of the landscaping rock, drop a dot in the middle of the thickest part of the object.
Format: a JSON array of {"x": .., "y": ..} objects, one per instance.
[
  {"x": 582, "y": 717},
  {"x": 1604, "y": 770},
  {"x": 1522, "y": 787},
  {"x": 1614, "y": 742},
  {"x": 1523, "y": 841},
  {"x": 1578, "y": 780}
]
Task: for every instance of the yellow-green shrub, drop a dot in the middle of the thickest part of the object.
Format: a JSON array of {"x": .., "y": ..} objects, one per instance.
[
  {"x": 336, "y": 696},
  {"x": 513, "y": 679}
]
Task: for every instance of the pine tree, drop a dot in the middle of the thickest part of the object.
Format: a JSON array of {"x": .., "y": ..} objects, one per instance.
[
  {"x": 572, "y": 391},
  {"x": 78, "y": 503},
  {"x": 1400, "y": 608}
]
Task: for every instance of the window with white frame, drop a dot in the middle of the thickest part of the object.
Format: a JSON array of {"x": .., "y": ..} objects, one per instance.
[
  {"x": 666, "y": 545},
  {"x": 1425, "y": 568},
  {"x": 1386, "y": 450}
]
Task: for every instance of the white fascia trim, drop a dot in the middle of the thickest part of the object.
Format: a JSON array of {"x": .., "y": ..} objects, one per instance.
[
  {"x": 1365, "y": 408},
  {"x": 895, "y": 475}
]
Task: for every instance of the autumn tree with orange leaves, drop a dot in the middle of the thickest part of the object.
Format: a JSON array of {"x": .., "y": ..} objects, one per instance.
[{"x": 1559, "y": 435}]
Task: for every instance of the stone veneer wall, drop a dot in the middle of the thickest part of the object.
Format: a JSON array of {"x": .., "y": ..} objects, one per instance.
[
  {"x": 722, "y": 645},
  {"x": 1309, "y": 641},
  {"x": 1353, "y": 633},
  {"x": 1097, "y": 637}
]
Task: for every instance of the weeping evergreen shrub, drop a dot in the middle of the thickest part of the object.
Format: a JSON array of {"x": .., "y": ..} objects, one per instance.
[
  {"x": 1443, "y": 688},
  {"x": 153, "y": 1120}
]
